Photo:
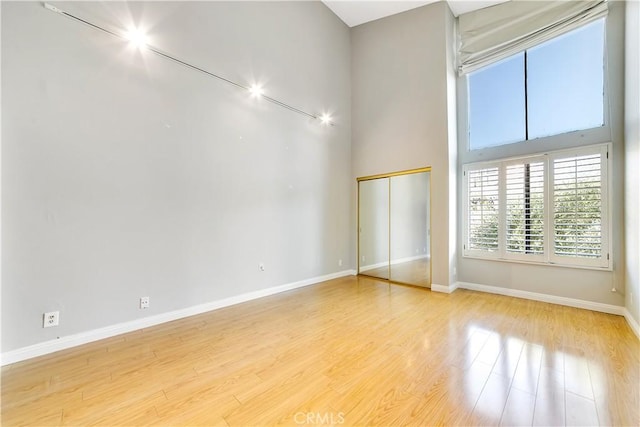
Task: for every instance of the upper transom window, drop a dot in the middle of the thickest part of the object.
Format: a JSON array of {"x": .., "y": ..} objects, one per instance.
[{"x": 551, "y": 89}]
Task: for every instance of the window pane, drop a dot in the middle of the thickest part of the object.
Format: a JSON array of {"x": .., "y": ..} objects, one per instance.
[
  {"x": 565, "y": 82},
  {"x": 577, "y": 199},
  {"x": 483, "y": 209},
  {"x": 525, "y": 208},
  {"x": 496, "y": 104}
]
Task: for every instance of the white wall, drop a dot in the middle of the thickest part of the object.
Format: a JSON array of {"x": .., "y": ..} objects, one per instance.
[
  {"x": 632, "y": 157},
  {"x": 125, "y": 175},
  {"x": 582, "y": 284},
  {"x": 400, "y": 105}
]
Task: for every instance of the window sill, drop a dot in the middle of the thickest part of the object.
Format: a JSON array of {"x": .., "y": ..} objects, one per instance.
[{"x": 538, "y": 263}]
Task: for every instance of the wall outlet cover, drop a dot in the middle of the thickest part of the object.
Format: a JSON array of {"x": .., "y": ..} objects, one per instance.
[
  {"x": 144, "y": 302},
  {"x": 51, "y": 318}
]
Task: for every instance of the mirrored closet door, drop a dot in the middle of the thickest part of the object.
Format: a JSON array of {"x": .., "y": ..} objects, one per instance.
[{"x": 394, "y": 227}]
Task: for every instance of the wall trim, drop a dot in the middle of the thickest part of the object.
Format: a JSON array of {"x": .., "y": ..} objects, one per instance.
[
  {"x": 374, "y": 266},
  {"x": 74, "y": 340},
  {"x": 553, "y": 299},
  {"x": 570, "y": 302},
  {"x": 393, "y": 262},
  {"x": 443, "y": 288},
  {"x": 633, "y": 323}
]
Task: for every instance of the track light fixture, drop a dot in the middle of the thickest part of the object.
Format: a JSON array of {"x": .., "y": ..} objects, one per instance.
[{"x": 139, "y": 39}]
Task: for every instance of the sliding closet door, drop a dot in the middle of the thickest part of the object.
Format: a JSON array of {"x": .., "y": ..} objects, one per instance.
[
  {"x": 410, "y": 229},
  {"x": 394, "y": 227},
  {"x": 373, "y": 218}
]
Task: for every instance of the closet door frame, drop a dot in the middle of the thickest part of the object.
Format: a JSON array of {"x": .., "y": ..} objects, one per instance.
[{"x": 389, "y": 176}]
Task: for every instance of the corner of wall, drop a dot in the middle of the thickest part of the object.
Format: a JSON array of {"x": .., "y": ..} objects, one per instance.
[
  {"x": 633, "y": 323},
  {"x": 632, "y": 161},
  {"x": 452, "y": 139}
]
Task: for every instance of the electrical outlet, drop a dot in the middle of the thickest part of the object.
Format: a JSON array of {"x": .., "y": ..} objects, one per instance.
[
  {"x": 51, "y": 318},
  {"x": 339, "y": 263},
  {"x": 144, "y": 302}
]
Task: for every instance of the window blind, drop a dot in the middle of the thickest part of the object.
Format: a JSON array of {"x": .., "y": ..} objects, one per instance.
[
  {"x": 497, "y": 32},
  {"x": 483, "y": 208},
  {"x": 549, "y": 208},
  {"x": 578, "y": 206},
  {"x": 525, "y": 208}
]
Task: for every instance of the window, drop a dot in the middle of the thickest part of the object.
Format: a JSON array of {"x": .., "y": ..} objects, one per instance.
[
  {"x": 578, "y": 208},
  {"x": 483, "y": 209},
  {"x": 553, "y": 88},
  {"x": 524, "y": 198},
  {"x": 550, "y": 208},
  {"x": 496, "y": 104}
]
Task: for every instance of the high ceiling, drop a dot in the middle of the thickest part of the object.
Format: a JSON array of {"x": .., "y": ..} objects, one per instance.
[{"x": 356, "y": 12}]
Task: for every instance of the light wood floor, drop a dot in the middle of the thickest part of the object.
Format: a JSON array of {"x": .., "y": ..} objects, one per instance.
[{"x": 351, "y": 351}]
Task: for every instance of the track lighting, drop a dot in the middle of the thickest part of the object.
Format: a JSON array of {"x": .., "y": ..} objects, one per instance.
[
  {"x": 256, "y": 91},
  {"x": 326, "y": 119},
  {"x": 138, "y": 38}
]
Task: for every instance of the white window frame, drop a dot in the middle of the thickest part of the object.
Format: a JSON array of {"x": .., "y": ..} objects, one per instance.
[
  {"x": 548, "y": 258},
  {"x": 503, "y": 212},
  {"x": 603, "y": 262},
  {"x": 585, "y": 136},
  {"x": 474, "y": 253}
]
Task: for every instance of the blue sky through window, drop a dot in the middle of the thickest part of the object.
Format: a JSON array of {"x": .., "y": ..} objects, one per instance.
[
  {"x": 496, "y": 103},
  {"x": 565, "y": 78}
]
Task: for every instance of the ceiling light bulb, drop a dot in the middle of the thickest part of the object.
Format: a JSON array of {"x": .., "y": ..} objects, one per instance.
[
  {"x": 256, "y": 91},
  {"x": 137, "y": 37},
  {"x": 325, "y": 119}
]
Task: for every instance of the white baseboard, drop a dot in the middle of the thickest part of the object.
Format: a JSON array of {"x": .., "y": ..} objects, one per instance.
[
  {"x": 393, "y": 262},
  {"x": 373, "y": 266},
  {"x": 443, "y": 288},
  {"x": 633, "y": 323},
  {"x": 570, "y": 302},
  {"x": 69, "y": 341}
]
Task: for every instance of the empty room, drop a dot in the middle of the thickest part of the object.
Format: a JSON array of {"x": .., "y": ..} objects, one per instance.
[{"x": 390, "y": 213}]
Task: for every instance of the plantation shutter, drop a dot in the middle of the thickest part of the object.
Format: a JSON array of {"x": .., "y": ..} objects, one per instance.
[
  {"x": 482, "y": 210},
  {"x": 579, "y": 226},
  {"x": 550, "y": 208},
  {"x": 525, "y": 209}
]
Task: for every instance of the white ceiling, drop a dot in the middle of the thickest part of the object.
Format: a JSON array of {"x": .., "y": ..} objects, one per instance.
[{"x": 356, "y": 12}]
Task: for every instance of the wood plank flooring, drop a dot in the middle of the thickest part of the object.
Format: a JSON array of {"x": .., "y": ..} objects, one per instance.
[{"x": 351, "y": 351}]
